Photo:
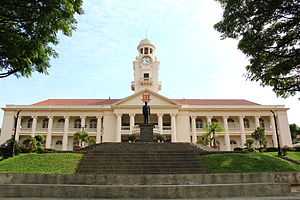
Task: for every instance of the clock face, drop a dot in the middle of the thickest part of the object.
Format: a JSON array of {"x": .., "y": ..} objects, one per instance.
[{"x": 147, "y": 60}]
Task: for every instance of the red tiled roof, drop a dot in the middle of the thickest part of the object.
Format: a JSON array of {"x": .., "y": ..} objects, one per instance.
[
  {"x": 75, "y": 102},
  {"x": 214, "y": 102},
  {"x": 56, "y": 102}
]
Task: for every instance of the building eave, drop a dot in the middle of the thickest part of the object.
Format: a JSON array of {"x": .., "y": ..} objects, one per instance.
[
  {"x": 235, "y": 107},
  {"x": 56, "y": 107}
]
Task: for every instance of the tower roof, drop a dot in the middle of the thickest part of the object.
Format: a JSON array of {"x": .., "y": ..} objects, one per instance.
[{"x": 145, "y": 42}]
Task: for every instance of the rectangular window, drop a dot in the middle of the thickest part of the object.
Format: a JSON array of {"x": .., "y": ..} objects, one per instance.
[
  {"x": 146, "y": 50},
  {"x": 146, "y": 76}
]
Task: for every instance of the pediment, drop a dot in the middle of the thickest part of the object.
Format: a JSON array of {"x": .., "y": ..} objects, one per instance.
[{"x": 136, "y": 99}]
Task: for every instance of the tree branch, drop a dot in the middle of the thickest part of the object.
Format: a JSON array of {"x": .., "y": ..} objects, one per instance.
[{"x": 6, "y": 74}]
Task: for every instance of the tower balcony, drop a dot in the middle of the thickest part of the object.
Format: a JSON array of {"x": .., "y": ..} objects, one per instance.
[{"x": 146, "y": 82}]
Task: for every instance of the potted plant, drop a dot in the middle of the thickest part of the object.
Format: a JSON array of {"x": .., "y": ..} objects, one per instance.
[
  {"x": 131, "y": 138},
  {"x": 160, "y": 138}
]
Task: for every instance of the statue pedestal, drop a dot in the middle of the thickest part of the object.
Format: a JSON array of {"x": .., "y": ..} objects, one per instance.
[{"x": 146, "y": 133}]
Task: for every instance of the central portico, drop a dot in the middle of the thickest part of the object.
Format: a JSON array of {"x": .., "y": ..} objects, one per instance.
[{"x": 163, "y": 114}]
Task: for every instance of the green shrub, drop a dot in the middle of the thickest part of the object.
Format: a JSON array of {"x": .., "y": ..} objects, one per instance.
[
  {"x": 91, "y": 141},
  {"x": 132, "y": 138},
  {"x": 271, "y": 149},
  {"x": 28, "y": 145},
  {"x": 238, "y": 149},
  {"x": 6, "y": 148},
  {"x": 249, "y": 143}
]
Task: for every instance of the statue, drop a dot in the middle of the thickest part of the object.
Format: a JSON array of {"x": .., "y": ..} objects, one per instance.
[{"x": 146, "y": 113}]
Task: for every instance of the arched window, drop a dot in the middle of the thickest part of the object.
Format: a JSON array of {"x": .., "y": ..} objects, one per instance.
[
  {"x": 93, "y": 123},
  {"x": 58, "y": 142},
  {"x": 146, "y": 50},
  {"x": 261, "y": 123},
  {"x": 231, "y": 124},
  {"x": 45, "y": 123},
  {"x": 141, "y": 50},
  {"x": 29, "y": 123},
  {"x": 230, "y": 120},
  {"x": 214, "y": 120},
  {"x": 151, "y": 50},
  {"x": 77, "y": 123},
  {"x": 199, "y": 123},
  {"x": 233, "y": 142},
  {"x": 61, "y": 123},
  {"x": 246, "y": 123}
]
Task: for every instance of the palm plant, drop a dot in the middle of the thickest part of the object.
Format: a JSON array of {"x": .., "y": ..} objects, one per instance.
[
  {"x": 259, "y": 136},
  {"x": 80, "y": 138},
  {"x": 211, "y": 130}
]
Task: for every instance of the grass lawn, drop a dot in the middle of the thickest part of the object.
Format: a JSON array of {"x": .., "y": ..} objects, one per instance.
[
  {"x": 294, "y": 155},
  {"x": 48, "y": 163},
  {"x": 291, "y": 154},
  {"x": 246, "y": 162}
]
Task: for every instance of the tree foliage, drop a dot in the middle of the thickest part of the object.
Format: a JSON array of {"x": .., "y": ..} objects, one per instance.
[
  {"x": 295, "y": 130},
  {"x": 29, "y": 30},
  {"x": 269, "y": 34},
  {"x": 211, "y": 130},
  {"x": 82, "y": 138}
]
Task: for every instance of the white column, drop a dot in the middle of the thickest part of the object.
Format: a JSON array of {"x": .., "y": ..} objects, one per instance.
[
  {"x": 119, "y": 124},
  {"x": 160, "y": 122},
  {"x": 34, "y": 122},
  {"x": 18, "y": 128},
  {"x": 49, "y": 134},
  {"x": 194, "y": 136},
  {"x": 98, "y": 134},
  {"x": 66, "y": 133},
  {"x": 242, "y": 130},
  {"x": 208, "y": 121},
  {"x": 131, "y": 128},
  {"x": 226, "y": 134},
  {"x": 274, "y": 137},
  {"x": 173, "y": 123},
  {"x": 257, "y": 121},
  {"x": 82, "y": 121}
]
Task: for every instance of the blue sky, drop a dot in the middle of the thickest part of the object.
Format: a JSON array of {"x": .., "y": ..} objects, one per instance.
[{"x": 96, "y": 62}]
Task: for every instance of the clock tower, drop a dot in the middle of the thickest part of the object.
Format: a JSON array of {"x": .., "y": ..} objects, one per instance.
[{"x": 145, "y": 68}]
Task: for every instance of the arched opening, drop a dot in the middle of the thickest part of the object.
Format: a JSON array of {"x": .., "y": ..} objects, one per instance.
[
  {"x": 45, "y": 123},
  {"x": 199, "y": 123},
  {"x": 77, "y": 123},
  {"x": 29, "y": 123},
  {"x": 125, "y": 122},
  {"x": 167, "y": 122},
  {"x": 93, "y": 124},
  {"x": 246, "y": 123}
]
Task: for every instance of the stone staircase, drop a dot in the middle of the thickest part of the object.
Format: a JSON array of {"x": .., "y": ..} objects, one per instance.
[
  {"x": 172, "y": 186},
  {"x": 141, "y": 158}
]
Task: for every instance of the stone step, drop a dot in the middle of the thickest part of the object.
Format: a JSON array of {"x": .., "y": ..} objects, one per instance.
[
  {"x": 143, "y": 191},
  {"x": 148, "y": 158},
  {"x": 142, "y": 168},
  {"x": 174, "y": 153},
  {"x": 161, "y": 179},
  {"x": 136, "y": 164},
  {"x": 141, "y": 171},
  {"x": 118, "y": 159}
]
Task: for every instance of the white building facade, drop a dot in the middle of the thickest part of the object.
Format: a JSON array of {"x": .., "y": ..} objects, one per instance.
[{"x": 113, "y": 120}]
